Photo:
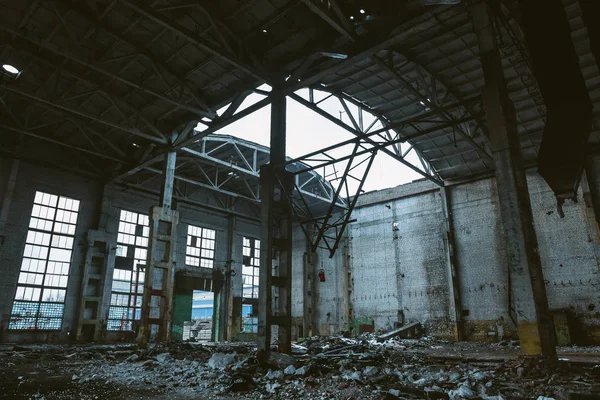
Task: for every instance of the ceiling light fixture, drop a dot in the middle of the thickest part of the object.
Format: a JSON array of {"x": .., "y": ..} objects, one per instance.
[
  {"x": 264, "y": 31},
  {"x": 352, "y": 17},
  {"x": 362, "y": 11},
  {"x": 10, "y": 69}
]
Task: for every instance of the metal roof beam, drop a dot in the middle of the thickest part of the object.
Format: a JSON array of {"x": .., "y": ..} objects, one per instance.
[
  {"x": 63, "y": 144},
  {"x": 103, "y": 71},
  {"x": 430, "y": 104},
  {"x": 365, "y": 49},
  {"x": 216, "y": 188},
  {"x": 52, "y": 104},
  {"x": 350, "y": 129},
  {"x": 186, "y": 199},
  {"x": 217, "y": 125},
  {"x": 325, "y": 16},
  {"x": 382, "y": 119},
  {"x": 115, "y": 100},
  {"x": 79, "y": 8},
  {"x": 160, "y": 19}
]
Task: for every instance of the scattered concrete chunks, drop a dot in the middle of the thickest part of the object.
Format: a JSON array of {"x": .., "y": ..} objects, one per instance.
[
  {"x": 163, "y": 358},
  {"x": 221, "y": 360},
  {"x": 411, "y": 330}
]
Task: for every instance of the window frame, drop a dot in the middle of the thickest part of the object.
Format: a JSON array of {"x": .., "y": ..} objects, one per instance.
[
  {"x": 127, "y": 236},
  {"x": 52, "y": 236},
  {"x": 201, "y": 251}
]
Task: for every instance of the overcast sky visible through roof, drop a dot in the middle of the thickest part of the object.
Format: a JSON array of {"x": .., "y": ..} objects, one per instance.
[{"x": 307, "y": 131}]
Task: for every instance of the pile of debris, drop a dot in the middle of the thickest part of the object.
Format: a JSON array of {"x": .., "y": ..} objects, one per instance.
[{"x": 367, "y": 367}]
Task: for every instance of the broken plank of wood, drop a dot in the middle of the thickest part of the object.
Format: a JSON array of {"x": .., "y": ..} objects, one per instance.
[{"x": 408, "y": 330}]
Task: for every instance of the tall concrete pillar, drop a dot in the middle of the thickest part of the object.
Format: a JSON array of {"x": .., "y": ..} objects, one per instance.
[
  {"x": 157, "y": 301},
  {"x": 275, "y": 274},
  {"x": 453, "y": 277},
  {"x": 535, "y": 327},
  {"x": 227, "y": 299},
  {"x": 96, "y": 280}
]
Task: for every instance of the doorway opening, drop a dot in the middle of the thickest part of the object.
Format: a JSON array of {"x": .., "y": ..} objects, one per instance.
[{"x": 200, "y": 326}]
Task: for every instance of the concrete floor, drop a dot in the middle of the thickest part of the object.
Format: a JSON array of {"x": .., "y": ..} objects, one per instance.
[{"x": 347, "y": 369}]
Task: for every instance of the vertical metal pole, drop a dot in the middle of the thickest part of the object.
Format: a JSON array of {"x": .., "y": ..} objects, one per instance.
[
  {"x": 536, "y": 330},
  {"x": 453, "y": 278}
]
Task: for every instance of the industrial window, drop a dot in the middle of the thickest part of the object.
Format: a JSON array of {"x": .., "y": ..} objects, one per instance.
[
  {"x": 40, "y": 298},
  {"x": 128, "y": 277},
  {"x": 250, "y": 268},
  {"x": 200, "y": 251}
]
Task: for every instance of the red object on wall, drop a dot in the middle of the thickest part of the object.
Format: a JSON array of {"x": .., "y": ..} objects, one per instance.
[{"x": 322, "y": 275}]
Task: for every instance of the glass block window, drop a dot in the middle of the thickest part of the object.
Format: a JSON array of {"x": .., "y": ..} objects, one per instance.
[
  {"x": 128, "y": 280},
  {"x": 200, "y": 250},
  {"x": 42, "y": 285},
  {"x": 250, "y": 266}
]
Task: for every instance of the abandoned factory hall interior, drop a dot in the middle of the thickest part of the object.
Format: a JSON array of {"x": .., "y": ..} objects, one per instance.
[{"x": 300, "y": 199}]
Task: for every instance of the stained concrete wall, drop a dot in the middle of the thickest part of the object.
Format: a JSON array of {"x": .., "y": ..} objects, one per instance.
[
  {"x": 396, "y": 274},
  {"x": 404, "y": 273},
  {"x": 399, "y": 259},
  {"x": 480, "y": 258}
]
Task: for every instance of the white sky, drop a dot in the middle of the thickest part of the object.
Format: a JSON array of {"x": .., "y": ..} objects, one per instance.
[{"x": 307, "y": 131}]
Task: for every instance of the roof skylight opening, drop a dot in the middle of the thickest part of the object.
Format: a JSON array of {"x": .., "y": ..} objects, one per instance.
[
  {"x": 135, "y": 145},
  {"x": 352, "y": 17},
  {"x": 362, "y": 11},
  {"x": 422, "y": 103},
  {"x": 264, "y": 31},
  {"x": 10, "y": 69}
]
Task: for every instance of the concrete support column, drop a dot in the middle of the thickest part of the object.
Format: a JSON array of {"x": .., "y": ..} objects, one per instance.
[
  {"x": 275, "y": 275},
  {"x": 96, "y": 281},
  {"x": 227, "y": 299},
  {"x": 453, "y": 278},
  {"x": 157, "y": 301},
  {"x": 347, "y": 281},
  {"x": 536, "y": 331},
  {"x": 7, "y": 198},
  {"x": 309, "y": 272},
  {"x": 168, "y": 182}
]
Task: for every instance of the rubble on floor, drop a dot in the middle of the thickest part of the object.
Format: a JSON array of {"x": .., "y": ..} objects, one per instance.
[{"x": 321, "y": 368}]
